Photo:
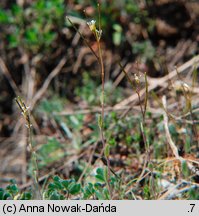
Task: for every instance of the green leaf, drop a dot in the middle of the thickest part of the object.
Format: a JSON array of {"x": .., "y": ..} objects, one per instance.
[
  {"x": 1, "y": 193},
  {"x": 74, "y": 189},
  {"x": 48, "y": 38},
  {"x": 50, "y": 152},
  {"x": 4, "y": 17},
  {"x": 57, "y": 184},
  {"x": 56, "y": 179},
  {"x": 107, "y": 151},
  {"x": 13, "y": 189},
  {"x": 17, "y": 10},
  {"x": 106, "y": 194},
  {"x": 97, "y": 186},
  {"x": 117, "y": 35},
  {"x": 112, "y": 142},
  {"x": 4, "y": 195},
  {"x": 31, "y": 36},
  {"x": 88, "y": 191},
  {"x": 129, "y": 140},
  {"x": 172, "y": 130},
  {"x": 100, "y": 174},
  {"x": 66, "y": 183},
  {"x": 39, "y": 5},
  {"x": 52, "y": 186},
  {"x": 13, "y": 40},
  {"x": 26, "y": 196},
  {"x": 99, "y": 195},
  {"x": 100, "y": 122},
  {"x": 55, "y": 196},
  {"x": 185, "y": 169}
]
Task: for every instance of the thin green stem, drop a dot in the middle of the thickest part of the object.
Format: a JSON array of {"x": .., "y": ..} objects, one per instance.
[{"x": 102, "y": 115}]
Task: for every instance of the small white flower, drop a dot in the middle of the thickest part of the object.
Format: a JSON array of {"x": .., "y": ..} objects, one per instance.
[
  {"x": 28, "y": 126},
  {"x": 186, "y": 87},
  {"x": 92, "y": 22},
  {"x": 137, "y": 78},
  {"x": 91, "y": 25},
  {"x": 181, "y": 86}
]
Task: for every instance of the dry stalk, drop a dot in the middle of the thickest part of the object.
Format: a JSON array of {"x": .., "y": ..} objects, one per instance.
[
  {"x": 26, "y": 115},
  {"x": 169, "y": 139},
  {"x": 168, "y": 135}
]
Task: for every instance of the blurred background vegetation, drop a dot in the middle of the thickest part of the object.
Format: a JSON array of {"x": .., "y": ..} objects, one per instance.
[{"x": 44, "y": 60}]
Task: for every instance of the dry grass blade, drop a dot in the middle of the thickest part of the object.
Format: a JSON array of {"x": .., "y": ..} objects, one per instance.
[
  {"x": 170, "y": 141},
  {"x": 168, "y": 136}
]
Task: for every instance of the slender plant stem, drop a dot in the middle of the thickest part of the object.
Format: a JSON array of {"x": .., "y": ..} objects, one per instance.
[
  {"x": 136, "y": 90},
  {"x": 102, "y": 115},
  {"x": 35, "y": 165},
  {"x": 99, "y": 58},
  {"x": 136, "y": 87},
  {"x": 26, "y": 116}
]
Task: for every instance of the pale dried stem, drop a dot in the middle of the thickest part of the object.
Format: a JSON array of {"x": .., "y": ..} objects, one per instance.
[{"x": 169, "y": 139}]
